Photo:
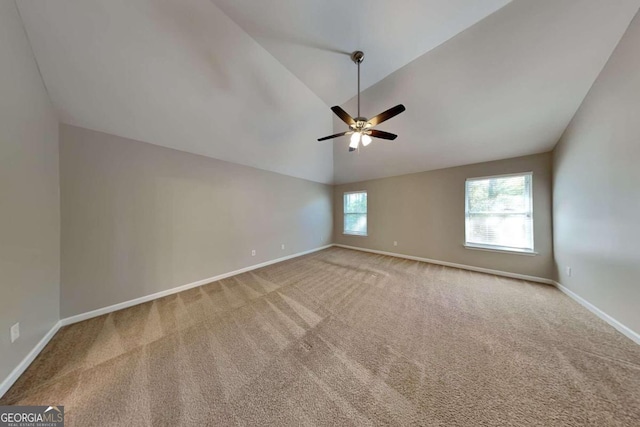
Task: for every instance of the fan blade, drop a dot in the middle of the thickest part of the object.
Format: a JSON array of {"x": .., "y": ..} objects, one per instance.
[
  {"x": 344, "y": 116},
  {"x": 382, "y": 134},
  {"x": 333, "y": 136},
  {"x": 390, "y": 113}
]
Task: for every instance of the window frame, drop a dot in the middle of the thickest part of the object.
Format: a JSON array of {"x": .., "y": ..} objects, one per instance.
[
  {"x": 498, "y": 248},
  {"x": 344, "y": 223}
]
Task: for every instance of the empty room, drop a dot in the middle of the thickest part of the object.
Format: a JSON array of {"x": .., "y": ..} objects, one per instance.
[{"x": 322, "y": 213}]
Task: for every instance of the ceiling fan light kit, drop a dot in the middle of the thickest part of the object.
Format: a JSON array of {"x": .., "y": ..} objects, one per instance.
[{"x": 361, "y": 129}]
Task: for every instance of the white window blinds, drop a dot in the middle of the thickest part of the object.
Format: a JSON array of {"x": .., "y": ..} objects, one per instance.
[
  {"x": 355, "y": 213},
  {"x": 499, "y": 212}
]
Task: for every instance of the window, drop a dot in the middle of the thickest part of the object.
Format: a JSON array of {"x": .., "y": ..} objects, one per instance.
[
  {"x": 499, "y": 213},
  {"x": 355, "y": 213}
]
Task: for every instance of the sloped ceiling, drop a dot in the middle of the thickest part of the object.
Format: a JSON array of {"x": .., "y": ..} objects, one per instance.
[
  {"x": 250, "y": 82},
  {"x": 314, "y": 38},
  {"x": 506, "y": 87},
  {"x": 181, "y": 74}
]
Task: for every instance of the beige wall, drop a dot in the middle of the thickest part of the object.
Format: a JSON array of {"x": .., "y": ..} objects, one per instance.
[
  {"x": 138, "y": 218},
  {"x": 596, "y": 189},
  {"x": 29, "y": 199},
  {"x": 425, "y": 214}
]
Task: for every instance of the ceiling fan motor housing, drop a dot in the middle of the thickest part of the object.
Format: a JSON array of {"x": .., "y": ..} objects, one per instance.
[{"x": 361, "y": 124}]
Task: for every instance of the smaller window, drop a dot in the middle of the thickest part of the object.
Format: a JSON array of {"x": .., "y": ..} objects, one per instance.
[
  {"x": 355, "y": 213},
  {"x": 499, "y": 212}
]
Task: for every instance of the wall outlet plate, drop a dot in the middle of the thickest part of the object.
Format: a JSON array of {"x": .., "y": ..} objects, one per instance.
[
  {"x": 569, "y": 271},
  {"x": 15, "y": 332},
  {"x": 282, "y": 246},
  {"x": 253, "y": 252},
  {"x": 395, "y": 243}
]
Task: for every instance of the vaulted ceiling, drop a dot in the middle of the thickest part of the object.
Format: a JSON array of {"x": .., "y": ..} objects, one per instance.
[
  {"x": 506, "y": 87},
  {"x": 314, "y": 39},
  {"x": 180, "y": 74},
  {"x": 250, "y": 82}
]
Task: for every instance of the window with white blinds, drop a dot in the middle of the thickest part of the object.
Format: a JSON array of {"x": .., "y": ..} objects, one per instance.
[
  {"x": 355, "y": 213},
  {"x": 499, "y": 212}
]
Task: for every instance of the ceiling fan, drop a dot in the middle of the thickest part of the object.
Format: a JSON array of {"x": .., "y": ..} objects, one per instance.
[{"x": 361, "y": 129}]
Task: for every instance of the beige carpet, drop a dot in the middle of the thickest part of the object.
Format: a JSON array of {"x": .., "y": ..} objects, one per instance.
[{"x": 343, "y": 338}]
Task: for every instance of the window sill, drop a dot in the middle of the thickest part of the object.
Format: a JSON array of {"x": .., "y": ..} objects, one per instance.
[
  {"x": 353, "y": 234},
  {"x": 499, "y": 250}
]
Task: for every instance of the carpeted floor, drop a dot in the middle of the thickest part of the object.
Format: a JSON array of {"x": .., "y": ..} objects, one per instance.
[{"x": 341, "y": 337}]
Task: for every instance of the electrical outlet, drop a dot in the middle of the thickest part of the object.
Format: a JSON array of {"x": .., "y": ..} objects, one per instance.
[
  {"x": 15, "y": 332},
  {"x": 282, "y": 246},
  {"x": 569, "y": 271},
  {"x": 253, "y": 252},
  {"x": 395, "y": 243}
]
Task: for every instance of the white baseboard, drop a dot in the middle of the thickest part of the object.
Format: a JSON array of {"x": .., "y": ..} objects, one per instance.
[
  {"x": 24, "y": 364},
  {"x": 126, "y": 304},
  {"x": 453, "y": 264},
  {"x": 624, "y": 330}
]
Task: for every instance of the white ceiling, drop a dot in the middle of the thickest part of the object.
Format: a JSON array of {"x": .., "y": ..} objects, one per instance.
[
  {"x": 313, "y": 39},
  {"x": 181, "y": 74},
  {"x": 249, "y": 81},
  {"x": 506, "y": 87}
]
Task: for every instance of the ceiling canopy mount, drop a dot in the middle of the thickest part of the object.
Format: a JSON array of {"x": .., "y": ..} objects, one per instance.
[{"x": 357, "y": 56}]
